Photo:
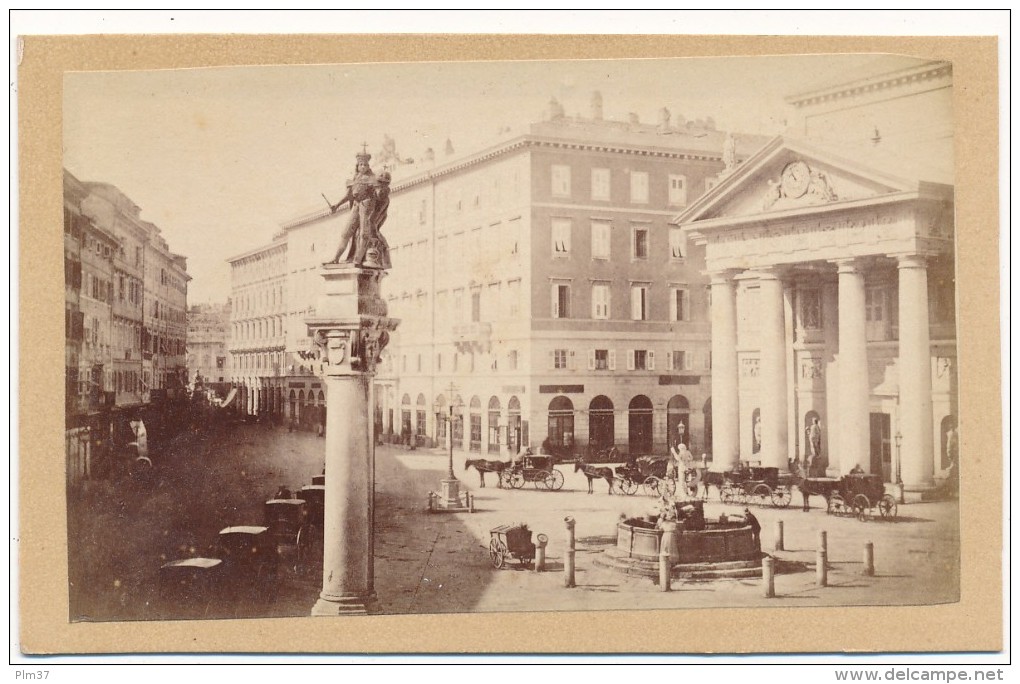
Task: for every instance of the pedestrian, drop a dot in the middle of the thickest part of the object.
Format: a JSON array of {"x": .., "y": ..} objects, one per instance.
[{"x": 751, "y": 520}]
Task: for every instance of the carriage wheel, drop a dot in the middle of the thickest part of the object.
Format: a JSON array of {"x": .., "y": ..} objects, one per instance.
[
  {"x": 504, "y": 478},
  {"x": 516, "y": 480},
  {"x": 761, "y": 495},
  {"x": 727, "y": 494},
  {"x": 651, "y": 485},
  {"x": 496, "y": 554},
  {"x": 781, "y": 497},
  {"x": 861, "y": 507},
  {"x": 887, "y": 507},
  {"x": 542, "y": 479},
  {"x": 555, "y": 480},
  {"x": 835, "y": 505},
  {"x": 628, "y": 486}
]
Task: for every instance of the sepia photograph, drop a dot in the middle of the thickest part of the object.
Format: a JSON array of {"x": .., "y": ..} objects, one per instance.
[
  {"x": 551, "y": 336},
  {"x": 448, "y": 337}
]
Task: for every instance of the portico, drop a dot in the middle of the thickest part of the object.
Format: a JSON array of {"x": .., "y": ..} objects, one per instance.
[{"x": 825, "y": 272}]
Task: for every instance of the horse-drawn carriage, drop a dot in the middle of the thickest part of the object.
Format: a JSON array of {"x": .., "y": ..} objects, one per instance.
[
  {"x": 853, "y": 494},
  {"x": 539, "y": 470},
  {"x": 763, "y": 486},
  {"x": 652, "y": 473},
  {"x": 511, "y": 541}
]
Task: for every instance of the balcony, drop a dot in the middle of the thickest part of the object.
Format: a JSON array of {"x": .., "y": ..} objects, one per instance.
[{"x": 473, "y": 337}]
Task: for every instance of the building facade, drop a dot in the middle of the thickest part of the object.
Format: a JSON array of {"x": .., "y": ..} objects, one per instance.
[
  {"x": 541, "y": 287},
  {"x": 257, "y": 328},
  {"x": 125, "y": 297},
  {"x": 208, "y": 357},
  {"x": 833, "y": 290}
]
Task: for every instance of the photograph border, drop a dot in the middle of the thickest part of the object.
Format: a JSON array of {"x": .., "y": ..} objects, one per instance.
[{"x": 973, "y": 624}]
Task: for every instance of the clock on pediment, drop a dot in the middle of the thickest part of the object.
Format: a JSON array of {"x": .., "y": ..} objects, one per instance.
[{"x": 795, "y": 179}]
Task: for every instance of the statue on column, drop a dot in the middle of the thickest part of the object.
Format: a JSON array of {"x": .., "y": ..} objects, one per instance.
[{"x": 367, "y": 194}]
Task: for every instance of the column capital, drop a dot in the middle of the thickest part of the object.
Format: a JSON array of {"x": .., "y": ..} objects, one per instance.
[
  {"x": 910, "y": 260},
  {"x": 722, "y": 277},
  {"x": 848, "y": 265}
]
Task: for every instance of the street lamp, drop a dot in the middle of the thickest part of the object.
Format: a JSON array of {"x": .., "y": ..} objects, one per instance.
[
  {"x": 453, "y": 406},
  {"x": 899, "y": 463}
]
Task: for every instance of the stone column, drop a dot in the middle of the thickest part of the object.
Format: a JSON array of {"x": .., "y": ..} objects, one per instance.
[
  {"x": 917, "y": 449},
  {"x": 793, "y": 408},
  {"x": 349, "y": 330},
  {"x": 725, "y": 415},
  {"x": 852, "y": 426},
  {"x": 774, "y": 437}
]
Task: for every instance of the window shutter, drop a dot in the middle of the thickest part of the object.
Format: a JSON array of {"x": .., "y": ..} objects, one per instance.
[
  {"x": 630, "y": 359},
  {"x": 651, "y": 360},
  {"x": 591, "y": 359},
  {"x": 552, "y": 358},
  {"x": 555, "y": 302},
  {"x": 672, "y": 305},
  {"x": 612, "y": 359},
  {"x": 570, "y": 361},
  {"x": 635, "y": 303},
  {"x": 669, "y": 360}
]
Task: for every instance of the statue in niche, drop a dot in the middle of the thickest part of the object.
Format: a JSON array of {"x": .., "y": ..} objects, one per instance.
[{"x": 368, "y": 196}]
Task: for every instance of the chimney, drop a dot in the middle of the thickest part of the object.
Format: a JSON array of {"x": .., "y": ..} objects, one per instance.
[
  {"x": 430, "y": 155},
  {"x": 596, "y": 106},
  {"x": 663, "y": 120},
  {"x": 449, "y": 147},
  {"x": 633, "y": 118}
]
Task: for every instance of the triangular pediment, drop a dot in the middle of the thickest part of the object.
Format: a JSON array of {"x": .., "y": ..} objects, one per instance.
[{"x": 789, "y": 175}]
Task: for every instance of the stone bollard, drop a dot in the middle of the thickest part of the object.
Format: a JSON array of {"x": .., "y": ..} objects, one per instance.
[
  {"x": 542, "y": 540},
  {"x": 666, "y": 555},
  {"x": 470, "y": 502},
  {"x": 568, "y": 581},
  {"x": 779, "y": 536},
  {"x": 869, "y": 559},
  {"x": 821, "y": 568},
  {"x": 823, "y": 541},
  {"x": 768, "y": 576}
]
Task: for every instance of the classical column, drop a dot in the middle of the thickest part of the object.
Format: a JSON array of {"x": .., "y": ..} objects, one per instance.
[
  {"x": 917, "y": 449},
  {"x": 772, "y": 395},
  {"x": 793, "y": 409},
  {"x": 725, "y": 416},
  {"x": 349, "y": 330},
  {"x": 852, "y": 446}
]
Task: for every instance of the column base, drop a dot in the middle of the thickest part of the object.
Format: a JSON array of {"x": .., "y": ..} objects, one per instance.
[
  {"x": 449, "y": 494},
  {"x": 344, "y": 605}
]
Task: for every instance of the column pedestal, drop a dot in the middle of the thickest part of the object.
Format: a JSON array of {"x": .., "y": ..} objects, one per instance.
[{"x": 349, "y": 331}]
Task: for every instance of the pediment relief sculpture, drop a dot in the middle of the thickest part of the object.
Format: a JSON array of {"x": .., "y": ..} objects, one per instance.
[{"x": 798, "y": 186}]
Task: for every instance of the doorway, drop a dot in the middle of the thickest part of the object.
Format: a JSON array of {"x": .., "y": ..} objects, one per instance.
[{"x": 881, "y": 445}]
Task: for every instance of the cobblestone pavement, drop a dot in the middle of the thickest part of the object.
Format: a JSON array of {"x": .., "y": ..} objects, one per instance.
[{"x": 121, "y": 532}]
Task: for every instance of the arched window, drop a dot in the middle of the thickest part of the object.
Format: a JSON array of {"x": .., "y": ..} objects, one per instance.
[
  {"x": 678, "y": 412},
  {"x": 476, "y": 424},
  {"x": 419, "y": 416},
  {"x": 516, "y": 436},
  {"x": 639, "y": 420},
  {"x": 494, "y": 433},
  {"x": 601, "y": 423},
  {"x": 561, "y": 423}
]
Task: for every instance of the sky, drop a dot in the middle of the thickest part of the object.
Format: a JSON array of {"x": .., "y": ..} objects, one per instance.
[{"x": 220, "y": 158}]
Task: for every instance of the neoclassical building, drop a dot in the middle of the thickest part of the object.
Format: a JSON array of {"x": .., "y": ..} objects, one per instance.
[{"x": 832, "y": 288}]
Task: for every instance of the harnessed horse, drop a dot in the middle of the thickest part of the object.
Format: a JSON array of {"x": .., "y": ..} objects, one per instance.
[
  {"x": 593, "y": 473},
  {"x": 483, "y": 466}
]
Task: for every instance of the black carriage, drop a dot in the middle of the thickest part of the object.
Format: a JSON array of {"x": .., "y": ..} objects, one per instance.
[
  {"x": 511, "y": 541},
  {"x": 763, "y": 486},
  {"x": 539, "y": 470},
  {"x": 858, "y": 495},
  {"x": 249, "y": 562},
  {"x": 648, "y": 472}
]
